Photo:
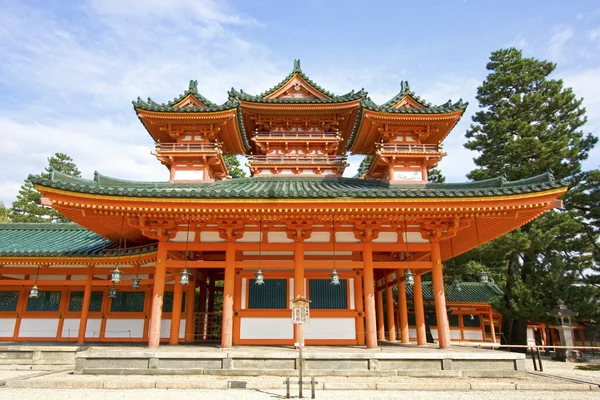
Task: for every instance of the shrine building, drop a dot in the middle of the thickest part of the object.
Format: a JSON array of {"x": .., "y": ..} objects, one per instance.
[{"x": 206, "y": 256}]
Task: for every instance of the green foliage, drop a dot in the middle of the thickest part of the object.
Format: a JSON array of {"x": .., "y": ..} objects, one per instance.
[
  {"x": 234, "y": 167},
  {"x": 4, "y": 213},
  {"x": 528, "y": 125},
  {"x": 363, "y": 168},
  {"x": 27, "y": 207},
  {"x": 434, "y": 175}
]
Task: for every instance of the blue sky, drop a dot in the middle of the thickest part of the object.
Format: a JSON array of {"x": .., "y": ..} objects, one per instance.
[{"x": 69, "y": 70}]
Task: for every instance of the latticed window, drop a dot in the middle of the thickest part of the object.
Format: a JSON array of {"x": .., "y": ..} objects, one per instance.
[
  {"x": 453, "y": 320},
  {"x": 8, "y": 301},
  {"x": 323, "y": 294},
  {"x": 168, "y": 302},
  {"x": 271, "y": 294},
  {"x": 128, "y": 302},
  {"x": 46, "y": 301},
  {"x": 76, "y": 301},
  {"x": 471, "y": 323}
]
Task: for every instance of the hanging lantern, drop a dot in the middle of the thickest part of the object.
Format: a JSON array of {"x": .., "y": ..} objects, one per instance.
[
  {"x": 472, "y": 317},
  {"x": 112, "y": 293},
  {"x": 335, "y": 277},
  {"x": 116, "y": 275},
  {"x": 34, "y": 292},
  {"x": 456, "y": 285},
  {"x": 135, "y": 283},
  {"x": 260, "y": 279},
  {"x": 483, "y": 278},
  {"x": 410, "y": 277},
  {"x": 184, "y": 277}
]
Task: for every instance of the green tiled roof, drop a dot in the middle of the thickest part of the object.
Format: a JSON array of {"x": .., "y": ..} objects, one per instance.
[
  {"x": 262, "y": 98},
  {"x": 405, "y": 91},
  {"x": 308, "y": 188},
  {"x": 55, "y": 240},
  {"x": 471, "y": 292}
]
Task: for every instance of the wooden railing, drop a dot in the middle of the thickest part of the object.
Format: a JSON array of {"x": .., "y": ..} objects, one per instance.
[
  {"x": 303, "y": 159},
  {"x": 408, "y": 148},
  {"x": 187, "y": 147},
  {"x": 207, "y": 326},
  {"x": 264, "y": 136}
]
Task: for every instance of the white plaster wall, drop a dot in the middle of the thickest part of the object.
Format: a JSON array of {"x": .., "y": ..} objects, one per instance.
[
  {"x": 387, "y": 237},
  {"x": 243, "y": 293},
  {"x": 434, "y": 333},
  {"x": 38, "y": 327},
  {"x": 278, "y": 237},
  {"x": 414, "y": 237},
  {"x": 250, "y": 237},
  {"x": 473, "y": 335},
  {"x": 7, "y": 327},
  {"x": 351, "y": 288},
  {"x": 319, "y": 237},
  {"x": 407, "y": 175},
  {"x": 210, "y": 237},
  {"x": 455, "y": 334},
  {"x": 183, "y": 235},
  {"x": 187, "y": 175},
  {"x": 118, "y": 328},
  {"x": 346, "y": 237},
  {"x": 412, "y": 332},
  {"x": 165, "y": 329},
  {"x": 330, "y": 328},
  {"x": 92, "y": 329},
  {"x": 266, "y": 328}
]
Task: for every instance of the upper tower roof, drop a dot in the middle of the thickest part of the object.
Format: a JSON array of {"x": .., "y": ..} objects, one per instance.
[{"x": 295, "y": 88}]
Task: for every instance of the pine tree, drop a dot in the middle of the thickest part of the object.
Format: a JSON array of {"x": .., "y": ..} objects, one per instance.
[
  {"x": 27, "y": 207},
  {"x": 434, "y": 175},
  {"x": 528, "y": 125},
  {"x": 234, "y": 167},
  {"x": 4, "y": 216}
]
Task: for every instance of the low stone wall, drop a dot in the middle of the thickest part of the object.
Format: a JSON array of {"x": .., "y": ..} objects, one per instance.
[{"x": 39, "y": 355}]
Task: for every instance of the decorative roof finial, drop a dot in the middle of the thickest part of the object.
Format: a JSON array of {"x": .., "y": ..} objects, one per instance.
[
  {"x": 193, "y": 85},
  {"x": 297, "y": 66},
  {"x": 404, "y": 86}
]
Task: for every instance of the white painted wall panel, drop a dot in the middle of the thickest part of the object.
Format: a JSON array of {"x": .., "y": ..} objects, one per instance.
[
  {"x": 351, "y": 288},
  {"x": 243, "y": 293},
  {"x": 266, "y": 328},
  {"x": 346, "y": 237},
  {"x": 278, "y": 237},
  {"x": 473, "y": 335},
  {"x": 165, "y": 328},
  {"x": 38, "y": 327},
  {"x": 250, "y": 237},
  {"x": 184, "y": 235},
  {"x": 71, "y": 328},
  {"x": 455, "y": 334},
  {"x": 412, "y": 332},
  {"x": 121, "y": 328},
  {"x": 330, "y": 328},
  {"x": 319, "y": 237},
  {"x": 188, "y": 175},
  {"x": 210, "y": 237},
  {"x": 434, "y": 333},
  {"x": 7, "y": 327},
  {"x": 387, "y": 237}
]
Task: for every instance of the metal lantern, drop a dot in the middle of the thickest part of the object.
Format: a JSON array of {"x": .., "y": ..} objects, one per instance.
[
  {"x": 34, "y": 292},
  {"x": 456, "y": 285},
  {"x": 335, "y": 277},
  {"x": 184, "y": 277},
  {"x": 472, "y": 317},
  {"x": 135, "y": 283},
  {"x": 410, "y": 277},
  {"x": 260, "y": 279},
  {"x": 112, "y": 293},
  {"x": 116, "y": 275},
  {"x": 483, "y": 278}
]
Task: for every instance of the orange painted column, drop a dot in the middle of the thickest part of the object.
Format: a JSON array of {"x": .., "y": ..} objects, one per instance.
[
  {"x": 380, "y": 322},
  {"x": 228, "y": 292},
  {"x": 358, "y": 302},
  {"x": 369, "y": 289},
  {"x": 176, "y": 311},
  {"x": 298, "y": 279},
  {"x": 158, "y": 293},
  {"x": 402, "y": 307},
  {"x": 419, "y": 311},
  {"x": 190, "y": 301},
  {"x": 439, "y": 297},
  {"x": 389, "y": 298},
  {"x": 87, "y": 295},
  {"x": 493, "y": 331}
]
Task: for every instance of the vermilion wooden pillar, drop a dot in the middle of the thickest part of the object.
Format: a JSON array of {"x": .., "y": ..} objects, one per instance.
[
  {"x": 87, "y": 295},
  {"x": 389, "y": 298},
  {"x": 176, "y": 311},
  {"x": 369, "y": 288},
  {"x": 298, "y": 278},
  {"x": 360, "y": 322},
  {"x": 228, "y": 292},
  {"x": 190, "y": 301},
  {"x": 158, "y": 294},
  {"x": 419, "y": 311},
  {"x": 380, "y": 322},
  {"x": 439, "y": 296},
  {"x": 493, "y": 331},
  {"x": 402, "y": 307}
]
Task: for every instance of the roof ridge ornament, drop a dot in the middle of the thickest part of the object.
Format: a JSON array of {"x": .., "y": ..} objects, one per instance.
[
  {"x": 404, "y": 86},
  {"x": 193, "y": 86},
  {"x": 297, "y": 67}
]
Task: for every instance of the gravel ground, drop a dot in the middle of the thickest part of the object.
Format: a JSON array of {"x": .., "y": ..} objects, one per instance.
[
  {"x": 569, "y": 370},
  {"x": 160, "y": 394}
]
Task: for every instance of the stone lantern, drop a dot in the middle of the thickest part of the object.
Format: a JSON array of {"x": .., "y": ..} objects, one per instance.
[{"x": 563, "y": 324}]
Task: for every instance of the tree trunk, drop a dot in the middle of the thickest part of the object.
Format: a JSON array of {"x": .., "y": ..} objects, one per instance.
[{"x": 514, "y": 328}]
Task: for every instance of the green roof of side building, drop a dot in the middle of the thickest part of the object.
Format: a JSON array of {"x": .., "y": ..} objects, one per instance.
[
  {"x": 58, "y": 240},
  {"x": 308, "y": 188},
  {"x": 470, "y": 292}
]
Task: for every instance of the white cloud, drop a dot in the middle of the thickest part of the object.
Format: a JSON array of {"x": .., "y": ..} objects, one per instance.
[{"x": 556, "y": 44}]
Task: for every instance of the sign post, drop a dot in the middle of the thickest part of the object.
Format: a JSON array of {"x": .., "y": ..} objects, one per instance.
[{"x": 301, "y": 316}]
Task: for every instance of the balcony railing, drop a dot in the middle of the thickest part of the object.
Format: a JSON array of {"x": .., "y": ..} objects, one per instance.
[
  {"x": 296, "y": 160},
  {"x": 188, "y": 147},
  {"x": 408, "y": 148},
  {"x": 320, "y": 136}
]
